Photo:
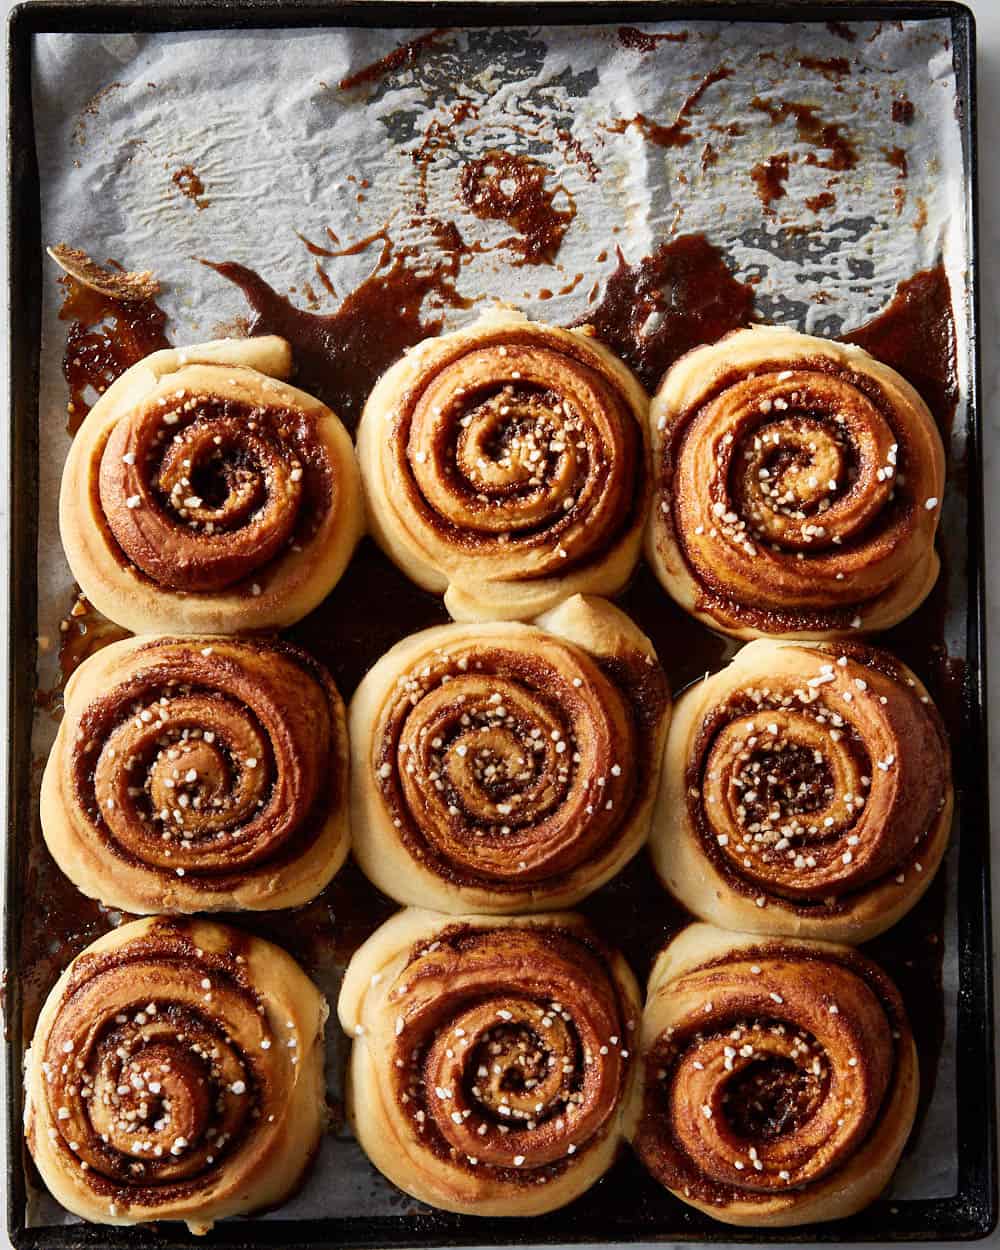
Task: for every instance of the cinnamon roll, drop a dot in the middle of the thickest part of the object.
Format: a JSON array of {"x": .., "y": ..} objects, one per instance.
[
  {"x": 198, "y": 774},
  {"x": 203, "y": 494},
  {"x": 508, "y": 767},
  {"x": 176, "y": 1073},
  {"x": 506, "y": 465},
  {"x": 806, "y": 790},
  {"x": 491, "y": 1058},
  {"x": 797, "y": 487},
  {"x": 778, "y": 1080}
]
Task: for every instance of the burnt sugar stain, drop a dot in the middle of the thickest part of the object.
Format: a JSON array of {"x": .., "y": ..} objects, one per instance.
[
  {"x": 769, "y": 178},
  {"x": 816, "y": 203},
  {"x": 902, "y": 111},
  {"x": 813, "y": 130},
  {"x": 399, "y": 58},
  {"x": 513, "y": 188},
  {"x": 681, "y": 296},
  {"x": 340, "y": 356},
  {"x": 371, "y": 608},
  {"x": 915, "y": 334},
  {"x": 636, "y": 915},
  {"x": 106, "y": 336},
  {"x": 642, "y": 41},
  {"x": 896, "y": 157},
  {"x": 190, "y": 185},
  {"x": 323, "y": 934},
  {"x": 831, "y": 66},
  {"x": 912, "y": 953},
  {"x": 842, "y": 30},
  {"x": 576, "y": 154},
  {"x": 676, "y": 134}
]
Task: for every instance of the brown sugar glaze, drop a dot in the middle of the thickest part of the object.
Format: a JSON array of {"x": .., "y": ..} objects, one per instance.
[{"x": 684, "y": 294}]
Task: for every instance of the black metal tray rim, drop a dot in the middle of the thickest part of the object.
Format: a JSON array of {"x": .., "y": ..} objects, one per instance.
[{"x": 971, "y": 1212}]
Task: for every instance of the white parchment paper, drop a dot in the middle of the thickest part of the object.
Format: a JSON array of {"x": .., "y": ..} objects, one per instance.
[{"x": 282, "y": 151}]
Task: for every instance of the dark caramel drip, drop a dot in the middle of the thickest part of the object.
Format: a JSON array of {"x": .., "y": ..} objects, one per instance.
[
  {"x": 106, "y": 336},
  {"x": 678, "y": 133},
  {"x": 642, "y": 41},
  {"x": 825, "y": 199},
  {"x": 915, "y": 334},
  {"x": 340, "y": 356},
  {"x": 770, "y": 177},
  {"x": 832, "y": 66},
  {"x": 678, "y": 298},
  {"x": 190, "y": 185},
  {"x": 896, "y": 157},
  {"x": 903, "y": 110}
]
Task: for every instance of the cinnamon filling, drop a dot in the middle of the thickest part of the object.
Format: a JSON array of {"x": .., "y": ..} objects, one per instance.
[
  {"x": 519, "y": 451},
  {"x": 511, "y": 1047},
  {"x": 502, "y": 766},
  {"x": 202, "y": 492},
  {"x": 204, "y": 762},
  {"x": 770, "y": 1097}
]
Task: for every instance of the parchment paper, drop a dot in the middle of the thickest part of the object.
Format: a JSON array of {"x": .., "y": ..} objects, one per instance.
[{"x": 280, "y": 149}]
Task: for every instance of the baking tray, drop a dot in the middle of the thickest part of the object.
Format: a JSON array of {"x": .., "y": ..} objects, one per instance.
[{"x": 626, "y": 1206}]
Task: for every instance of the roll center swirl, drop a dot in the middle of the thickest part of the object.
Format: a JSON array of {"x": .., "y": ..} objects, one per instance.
[
  {"x": 200, "y": 491},
  {"x": 514, "y": 771}
]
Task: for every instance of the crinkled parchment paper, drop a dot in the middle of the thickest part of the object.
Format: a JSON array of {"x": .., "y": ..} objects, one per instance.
[{"x": 282, "y": 151}]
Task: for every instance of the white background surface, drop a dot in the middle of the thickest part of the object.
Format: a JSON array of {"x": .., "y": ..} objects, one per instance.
[{"x": 988, "y": 20}]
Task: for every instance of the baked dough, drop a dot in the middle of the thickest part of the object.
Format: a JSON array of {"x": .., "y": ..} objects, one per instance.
[
  {"x": 797, "y": 487},
  {"x": 203, "y": 494},
  {"x": 452, "y": 1017},
  {"x": 508, "y": 767},
  {"x": 506, "y": 466},
  {"x": 176, "y": 1073},
  {"x": 778, "y": 1080},
  {"x": 806, "y": 790},
  {"x": 199, "y": 774}
]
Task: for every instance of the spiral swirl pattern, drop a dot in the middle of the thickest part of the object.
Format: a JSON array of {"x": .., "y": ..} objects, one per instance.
[
  {"x": 208, "y": 495},
  {"x": 204, "y": 491},
  {"x": 807, "y": 789},
  {"x": 497, "y": 1055},
  {"x": 506, "y": 768},
  {"x": 506, "y": 464},
  {"x": 176, "y": 1069},
  {"x": 799, "y": 487},
  {"x": 192, "y": 774},
  {"x": 779, "y": 1080}
]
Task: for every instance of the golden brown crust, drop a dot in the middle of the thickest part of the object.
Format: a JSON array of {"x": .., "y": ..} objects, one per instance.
[
  {"x": 199, "y": 774},
  {"x": 176, "y": 1072},
  {"x": 797, "y": 487},
  {"x": 508, "y": 767},
  {"x": 779, "y": 1078},
  {"x": 491, "y": 1058},
  {"x": 506, "y": 465},
  {"x": 806, "y": 790},
  {"x": 202, "y": 494}
]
